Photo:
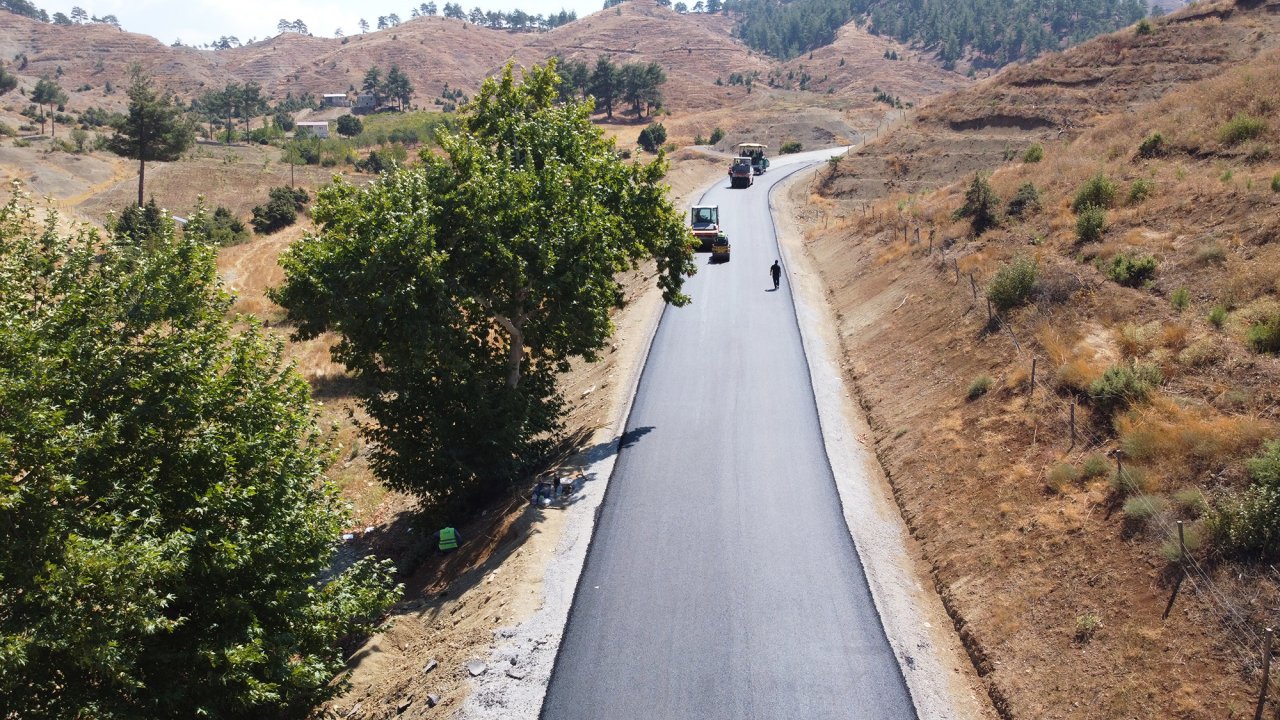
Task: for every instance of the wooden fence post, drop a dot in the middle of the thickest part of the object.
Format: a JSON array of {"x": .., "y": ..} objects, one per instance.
[
  {"x": 1073, "y": 425},
  {"x": 1032, "y": 391},
  {"x": 1266, "y": 675},
  {"x": 973, "y": 284}
]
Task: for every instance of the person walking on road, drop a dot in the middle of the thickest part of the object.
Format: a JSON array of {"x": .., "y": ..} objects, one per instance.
[{"x": 775, "y": 271}]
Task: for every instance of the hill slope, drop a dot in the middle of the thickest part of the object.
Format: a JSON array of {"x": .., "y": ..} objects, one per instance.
[{"x": 1056, "y": 571}]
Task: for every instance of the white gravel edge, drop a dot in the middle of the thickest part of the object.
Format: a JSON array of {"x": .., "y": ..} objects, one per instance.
[{"x": 937, "y": 671}]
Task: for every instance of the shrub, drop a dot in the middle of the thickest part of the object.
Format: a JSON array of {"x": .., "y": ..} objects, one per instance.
[
  {"x": 140, "y": 225},
  {"x": 280, "y": 211},
  {"x": 284, "y": 121},
  {"x": 1180, "y": 299},
  {"x": 1086, "y": 626},
  {"x": 1141, "y": 508},
  {"x": 1264, "y": 335},
  {"x": 981, "y": 205},
  {"x": 1131, "y": 270},
  {"x": 1122, "y": 385},
  {"x": 652, "y": 137},
  {"x": 1151, "y": 146},
  {"x": 1098, "y": 191},
  {"x": 1025, "y": 200},
  {"x": 1259, "y": 152},
  {"x": 1171, "y": 550},
  {"x": 219, "y": 228},
  {"x": 1090, "y": 224},
  {"x": 1190, "y": 502},
  {"x": 790, "y": 146},
  {"x": 1275, "y": 183},
  {"x": 1218, "y": 316},
  {"x": 349, "y": 126},
  {"x": 716, "y": 135},
  {"x": 1062, "y": 475},
  {"x": 1210, "y": 252},
  {"x": 1012, "y": 284},
  {"x": 1143, "y": 27},
  {"x": 1240, "y": 128},
  {"x": 699, "y": 140},
  {"x": 1033, "y": 154},
  {"x": 1129, "y": 481},
  {"x": 1249, "y": 522},
  {"x": 1096, "y": 465},
  {"x": 1140, "y": 190},
  {"x": 979, "y": 387}
]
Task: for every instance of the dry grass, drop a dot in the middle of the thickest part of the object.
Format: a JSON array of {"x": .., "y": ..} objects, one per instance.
[{"x": 1178, "y": 441}]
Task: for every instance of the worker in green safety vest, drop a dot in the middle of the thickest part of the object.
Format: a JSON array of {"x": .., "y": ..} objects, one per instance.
[{"x": 447, "y": 539}]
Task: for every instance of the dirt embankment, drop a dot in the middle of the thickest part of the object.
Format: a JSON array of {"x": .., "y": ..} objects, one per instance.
[{"x": 1055, "y": 570}]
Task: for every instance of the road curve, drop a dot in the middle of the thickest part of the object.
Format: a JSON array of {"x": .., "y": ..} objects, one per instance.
[{"x": 721, "y": 582}]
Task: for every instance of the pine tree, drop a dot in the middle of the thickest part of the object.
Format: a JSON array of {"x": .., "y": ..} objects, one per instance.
[{"x": 153, "y": 129}]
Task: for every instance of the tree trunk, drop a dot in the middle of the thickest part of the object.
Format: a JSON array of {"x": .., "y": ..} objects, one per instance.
[
  {"x": 142, "y": 174},
  {"x": 515, "y": 354}
]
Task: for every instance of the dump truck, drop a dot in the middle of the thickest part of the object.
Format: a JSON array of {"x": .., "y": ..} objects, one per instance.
[
  {"x": 704, "y": 221},
  {"x": 740, "y": 173},
  {"x": 755, "y": 151}
]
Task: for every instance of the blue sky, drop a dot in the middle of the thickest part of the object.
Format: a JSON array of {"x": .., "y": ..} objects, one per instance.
[{"x": 199, "y": 21}]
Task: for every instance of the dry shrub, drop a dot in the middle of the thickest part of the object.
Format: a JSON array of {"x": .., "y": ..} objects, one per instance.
[
  {"x": 1202, "y": 352},
  {"x": 1017, "y": 378},
  {"x": 1174, "y": 336},
  {"x": 1185, "y": 439},
  {"x": 1136, "y": 341}
]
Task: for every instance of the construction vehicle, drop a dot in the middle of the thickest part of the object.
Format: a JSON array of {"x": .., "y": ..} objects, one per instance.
[
  {"x": 704, "y": 220},
  {"x": 720, "y": 248},
  {"x": 740, "y": 173},
  {"x": 755, "y": 151}
]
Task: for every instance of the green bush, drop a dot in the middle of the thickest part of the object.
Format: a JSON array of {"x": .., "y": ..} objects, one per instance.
[
  {"x": 284, "y": 121},
  {"x": 1140, "y": 190},
  {"x": 1098, "y": 191},
  {"x": 1129, "y": 481},
  {"x": 1275, "y": 183},
  {"x": 1143, "y": 27},
  {"x": 1264, "y": 335},
  {"x": 140, "y": 225},
  {"x": 1240, "y": 128},
  {"x": 1033, "y": 154},
  {"x": 1218, "y": 316},
  {"x": 1151, "y": 146},
  {"x": 1180, "y": 299},
  {"x": 280, "y": 211},
  {"x": 716, "y": 135},
  {"x": 1171, "y": 549},
  {"x": 1142, "y": 508},
  {"x": 1025, "y": 201},
  {"x": 1090, "y": 224},
  {"x": 1122, "y": 385},
  {"x": 1062, "y": 475},
  {"x": 219, "y": 228},
  {"x": 1086, "y": 626},
  {"x": 349, "y": 126},
  {"x": 1096, "y": 465},
  {"x": 1131, "y": 270},
  {"x": 979, "y": 387},
  {"x": 790, "y": 146},
  {"x": 652, "y": 137},
  {"x": 981, "y": 205},
  {"x": 1190, "y": 502},
  {"x": 1248, "y": 522},
  {"x": 1013, "y": 283}
]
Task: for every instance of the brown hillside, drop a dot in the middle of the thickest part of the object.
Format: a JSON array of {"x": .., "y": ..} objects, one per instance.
[
  {"x": 1055, "y": 570},
  {"x": 1059, "y": 95}
]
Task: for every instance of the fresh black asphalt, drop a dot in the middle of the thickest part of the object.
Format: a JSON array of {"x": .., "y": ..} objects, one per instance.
[{"x": 721, "y": 582}]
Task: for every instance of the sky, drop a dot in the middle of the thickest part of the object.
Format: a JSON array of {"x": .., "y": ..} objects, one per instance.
[{"x": 196, "y": 22}]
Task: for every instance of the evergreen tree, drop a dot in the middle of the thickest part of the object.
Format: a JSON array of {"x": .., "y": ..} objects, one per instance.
[{"x": 153, "y": 129}]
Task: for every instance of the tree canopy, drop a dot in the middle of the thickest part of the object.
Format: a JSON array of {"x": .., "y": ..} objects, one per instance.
[
  {"x": 460, "y": 288},
  {"x": 168, "y": 531},
  {"x": 153, "y": 129}
]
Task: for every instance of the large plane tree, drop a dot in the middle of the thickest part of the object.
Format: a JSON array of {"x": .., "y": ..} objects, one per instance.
[{"x": 460, "y": 288}]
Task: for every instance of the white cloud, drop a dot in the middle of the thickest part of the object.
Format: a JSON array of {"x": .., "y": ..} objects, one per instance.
[{"x": 200, "y": 21}]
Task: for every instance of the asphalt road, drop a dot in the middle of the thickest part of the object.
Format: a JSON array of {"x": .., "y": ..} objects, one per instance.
[{"x": 721, "y": 581}]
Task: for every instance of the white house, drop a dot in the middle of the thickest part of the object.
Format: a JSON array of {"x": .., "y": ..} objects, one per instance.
[
  {"x": 312, "y": 129},
  {"x": 336, "y": 99}
]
